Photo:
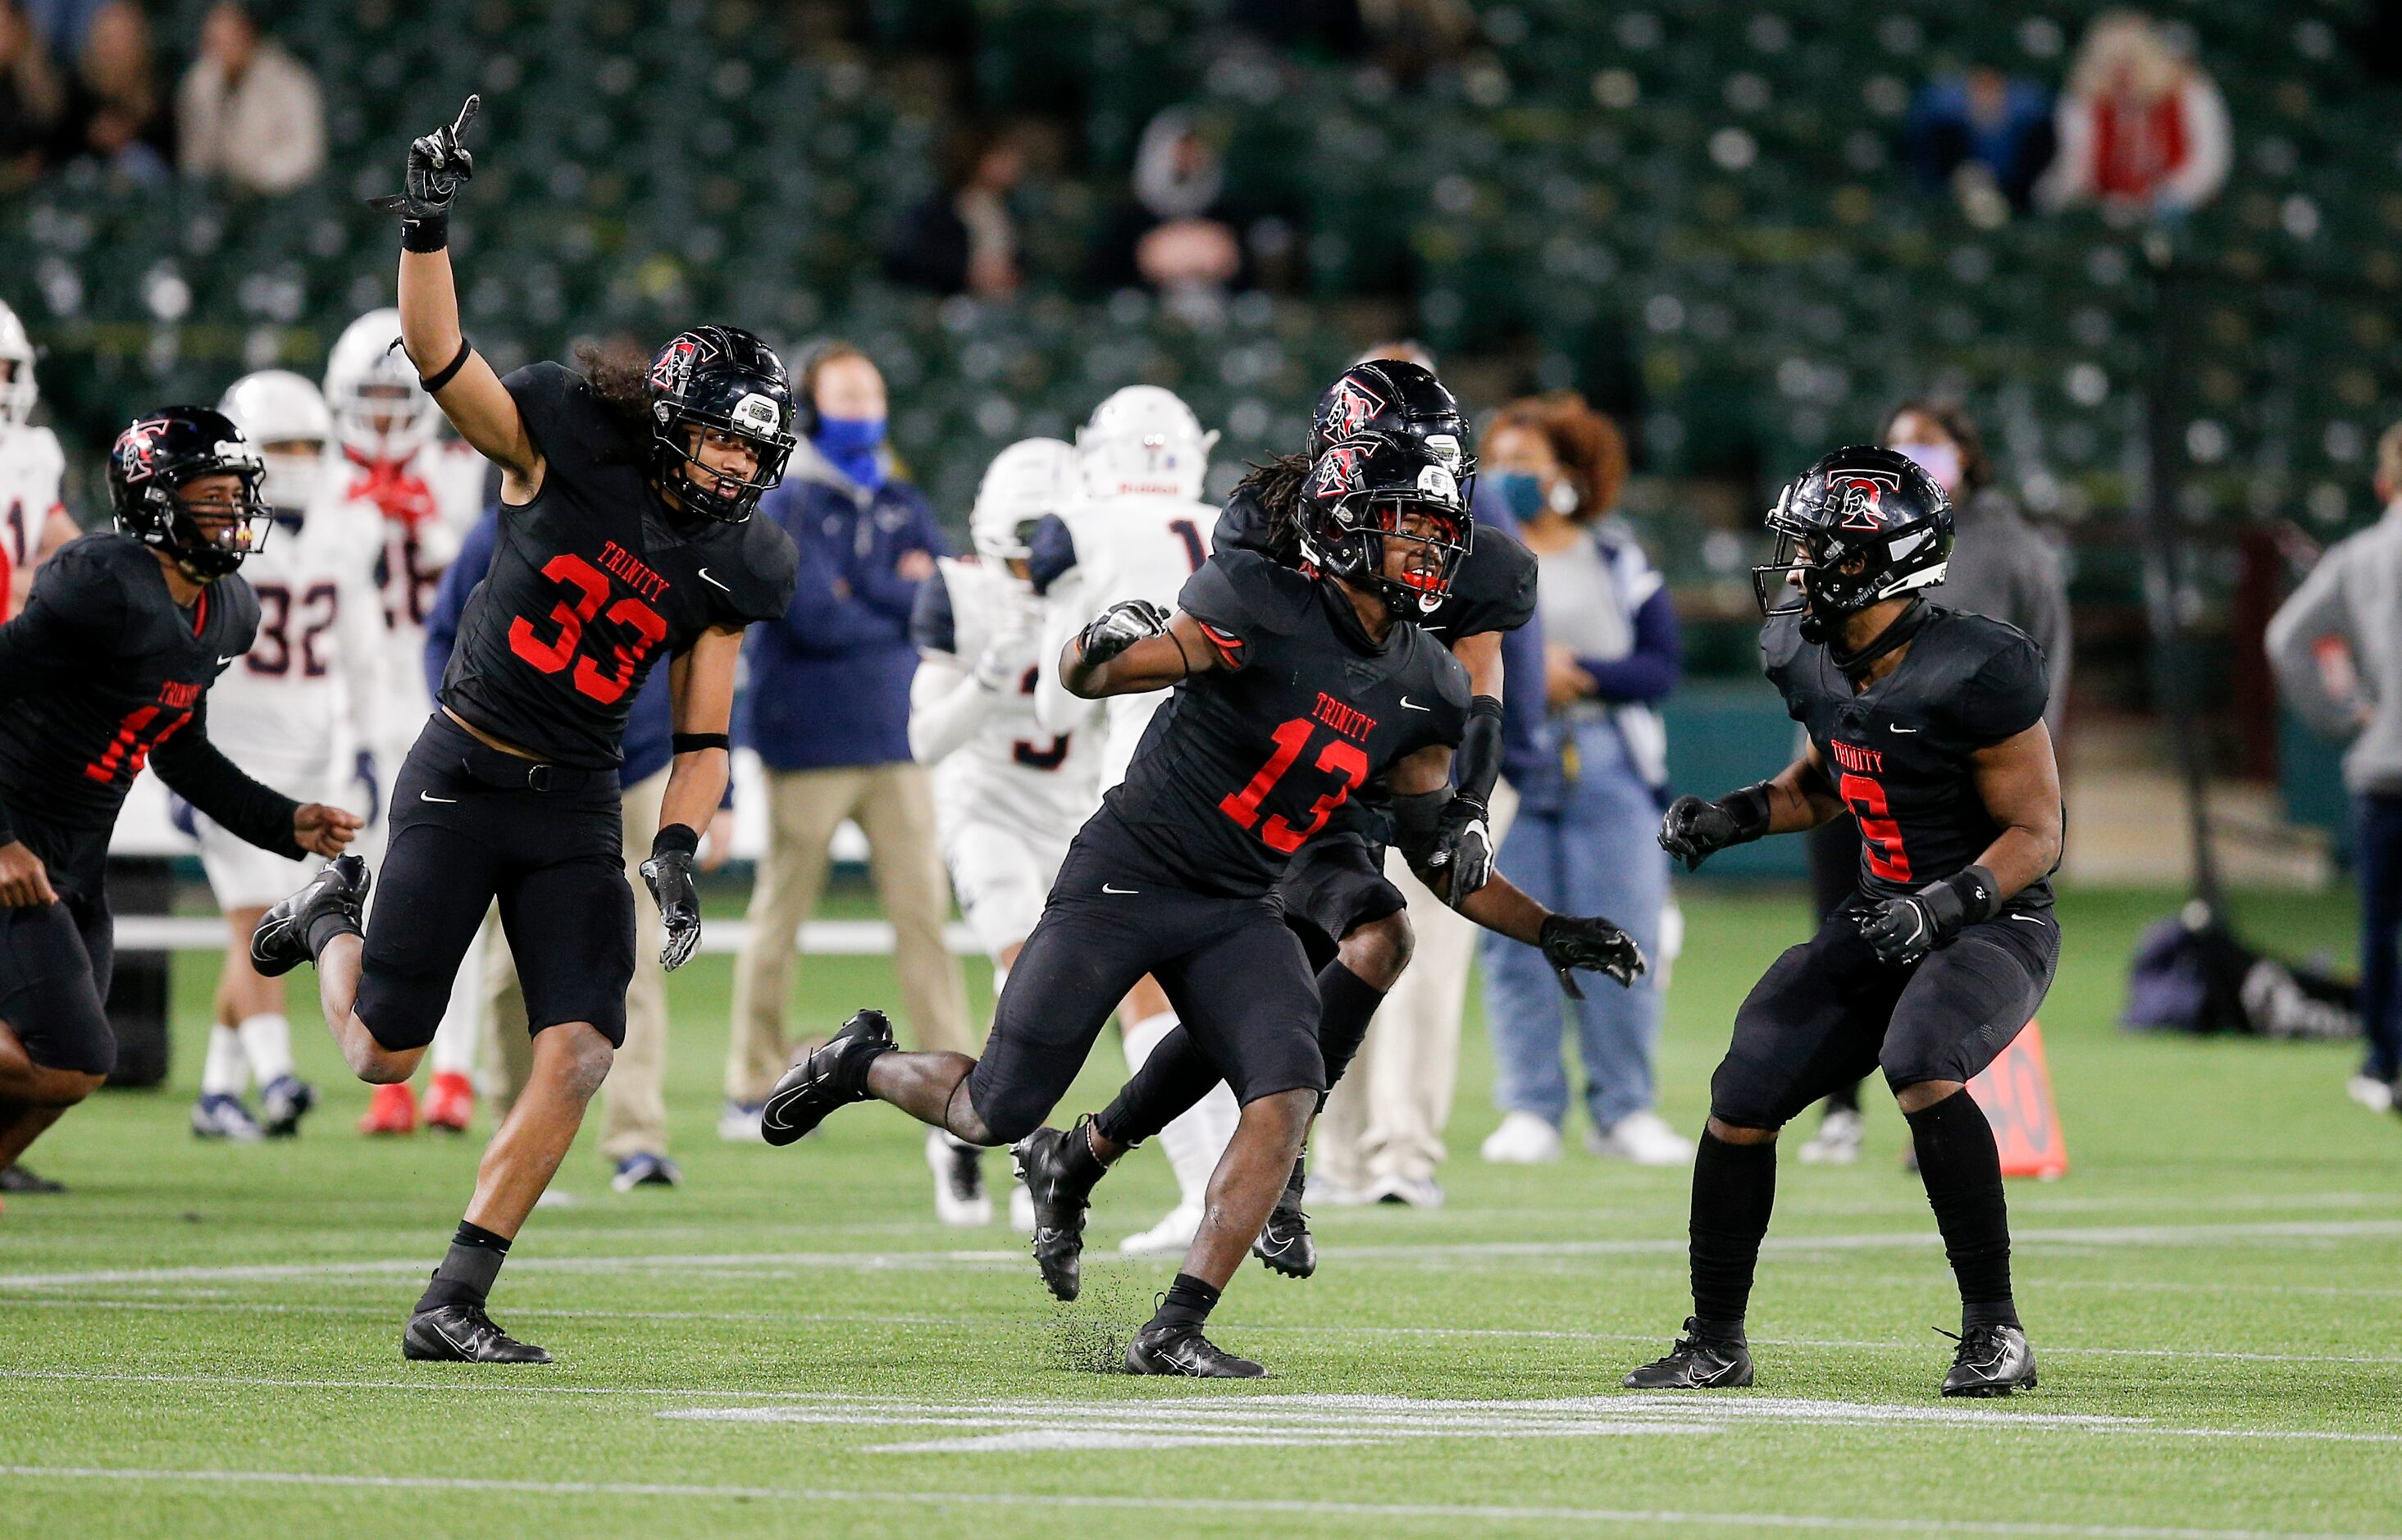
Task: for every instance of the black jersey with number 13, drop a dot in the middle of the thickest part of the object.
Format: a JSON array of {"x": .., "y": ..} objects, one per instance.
[
  {"x": 1247, "y": 762},
  {"x": 590, "y": 585}
]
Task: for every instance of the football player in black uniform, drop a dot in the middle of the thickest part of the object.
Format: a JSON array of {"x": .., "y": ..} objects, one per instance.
[
  {"x": 1352, "y": 921},
  {"x": 1927, "y": 725},
  {"x": 626, "y": 537},
  {"x": 108, "y": 668},
  {"x": 1293, "y": 690}
]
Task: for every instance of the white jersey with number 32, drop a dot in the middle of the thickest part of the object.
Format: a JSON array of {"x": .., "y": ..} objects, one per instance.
[
  {"x": 1127, "y": 548},
  {"x": 31, "y": 466}
]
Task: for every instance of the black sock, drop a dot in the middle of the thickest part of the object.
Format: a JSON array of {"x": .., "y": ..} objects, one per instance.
[
  {"x": 1083, "y": 1164},
  {"x": 1962, "y": 1168},
  {"x": 1346, "y": 1004},
  {"x": 465, "y": 1276},
  {"x": 1188, "y": 1303},
  {"x": 1176, "y": 1077},
  {"x": 327, "y": 926},
  {"x": 1734, "y": 1188}
]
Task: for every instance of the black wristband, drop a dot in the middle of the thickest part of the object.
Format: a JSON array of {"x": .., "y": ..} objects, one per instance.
[
  {"x": 1750, "y": 808},
  {"x": 680, "y": 838},
  {"x": 1478, "y": 763},
  {"x": 426, "y": 233},
  {"x": 1976, "y": 892},
  {"x": 693, "y": 743},
  {"x": 449, "y": 372}
]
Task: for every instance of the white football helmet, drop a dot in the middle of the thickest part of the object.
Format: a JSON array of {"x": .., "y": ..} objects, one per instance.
[
  {"x": 1143, "y": 440},
  {"x": 18, "y": 393},
  {"x": 275, "y": 408},
  {"x": 381, "y": 414},
  {"x": 1033, "y": 478}
]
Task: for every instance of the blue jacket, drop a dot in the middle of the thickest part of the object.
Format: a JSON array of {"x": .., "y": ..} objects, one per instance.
[
  {"x": 650, "y": 723},
  {"x": 829, "y": 683}
]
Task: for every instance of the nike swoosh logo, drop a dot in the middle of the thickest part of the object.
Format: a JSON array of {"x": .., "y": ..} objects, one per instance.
[
  {"x": 1896, "y": 727},
  {"x": 1122, "y": 892},
  {"x": 2029, "y": 918},
  {"x": 714, "y": 583},
  {"x": 1409, "y": 704},
  {"x": 222, "y": 662},
  {"x": 456, "y": 1345},
  {"x": 428, "y": 796}
]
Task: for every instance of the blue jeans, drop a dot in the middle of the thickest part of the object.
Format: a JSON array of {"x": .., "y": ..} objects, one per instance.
[
  {"x": 1591, "y": 849},
  {"x": 2377, "y": 818}
]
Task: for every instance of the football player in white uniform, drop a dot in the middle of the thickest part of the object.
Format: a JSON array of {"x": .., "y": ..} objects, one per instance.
[
  {"x": 33, "y": 521},
  {"x": 277, "y": 714},
  {"x": 1009, "y": 796},
  {"x": 425, "y": 493},
  {"x": 1139, "y": 533}
]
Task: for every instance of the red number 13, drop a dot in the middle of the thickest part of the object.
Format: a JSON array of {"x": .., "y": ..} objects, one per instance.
[{"x": 1338, "y": 758}]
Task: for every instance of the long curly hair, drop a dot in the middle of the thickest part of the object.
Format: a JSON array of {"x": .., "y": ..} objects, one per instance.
[
  {"x": 618, "y": 369},
  {"x": 1276, "y": 485}
]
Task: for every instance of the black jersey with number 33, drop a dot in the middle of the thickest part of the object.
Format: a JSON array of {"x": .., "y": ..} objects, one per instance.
[
  {"x": 1900, "y": 752},
  {"x": 1249, "y": 760},
  {"x": 590, "y": 585}
]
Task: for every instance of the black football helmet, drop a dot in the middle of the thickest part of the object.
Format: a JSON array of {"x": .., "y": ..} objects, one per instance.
[
  {"x": 1390, "y": 395},
  {"x": 1358, "y": 496},
  {"x": 726, "y": 379},
  {"x": 156, "y": 456},
  {"x": 1863, "y": 524}
]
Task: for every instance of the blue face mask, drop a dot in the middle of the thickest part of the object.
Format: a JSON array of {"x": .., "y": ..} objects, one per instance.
[
  {"x": 850, "y": 443},
  {"x": 1520, "y": 493}
]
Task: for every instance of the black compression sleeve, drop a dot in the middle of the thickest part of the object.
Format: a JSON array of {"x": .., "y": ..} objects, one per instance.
[
  {"x": 1478, "y": 764},
  {"x": 1415, "y": 820},
  {"x": 198, "y": 770}
]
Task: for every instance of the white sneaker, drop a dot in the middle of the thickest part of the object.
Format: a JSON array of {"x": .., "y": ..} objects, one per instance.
[
  {"x": 1171, "y": 1236},
  {"x": 1325, "y": 1192},
  {"x": 2370, "y": 1092},
  {"x": 1021, "y": 1209},
  {"x": 1523, "y": 1139},
  {"x": 1838, "y": 1139},
  {"x": 1643, "y": 1137},
  {"x": 959, "y": 1197},
  {"x": 738, "y": 1123},
  {"x": 1415, "y": 1191}
]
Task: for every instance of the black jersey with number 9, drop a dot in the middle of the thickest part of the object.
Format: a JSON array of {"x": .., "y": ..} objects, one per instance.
[{"x": 590, "y": 585}]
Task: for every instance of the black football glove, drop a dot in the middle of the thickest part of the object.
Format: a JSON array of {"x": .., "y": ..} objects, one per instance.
[
  {"x": 1119, "y": 628},
  {"x": 1463, "y": 846},
  {"x": 1904, "y": 929},
  {"x": 669, "y": 877},
  {"x": 1694, "y": 828},
  {"x": 438, "y": 163},
  {"x": 1570, "y": 941}
]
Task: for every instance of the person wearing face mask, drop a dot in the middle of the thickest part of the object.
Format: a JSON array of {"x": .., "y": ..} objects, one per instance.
[
  {"x": 827, "y": 708},
  {"x": 1583, "y": 841},
  {"x": 2001, "y": 569},
  {"x": 313, "y": 671}
]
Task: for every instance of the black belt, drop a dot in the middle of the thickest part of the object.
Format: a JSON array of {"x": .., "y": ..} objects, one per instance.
[{"x": 505, "y": 772}]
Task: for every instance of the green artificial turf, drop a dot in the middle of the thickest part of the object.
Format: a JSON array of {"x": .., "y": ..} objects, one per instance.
[{"x": 201, "y": 1339}]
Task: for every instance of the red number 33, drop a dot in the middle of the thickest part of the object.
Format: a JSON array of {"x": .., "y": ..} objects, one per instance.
[{"x": 590, "y": 589}]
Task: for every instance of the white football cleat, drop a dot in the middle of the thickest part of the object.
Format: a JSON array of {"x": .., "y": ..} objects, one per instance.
[
  {"x": 738, "y": 1123},
  {"x": 1523, "y": 1139},
  {"x": 1838, "y": 1139},
  {"x": 218, "y": 1116},
  {"x": 1643, "y": 1137},
  {"x": 2370, "y": 1092},
  {"x": 1172, "y": 1236},
  {"x": 959, "y": 1197}
]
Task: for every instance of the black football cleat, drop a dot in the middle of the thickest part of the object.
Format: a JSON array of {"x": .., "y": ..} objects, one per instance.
[
  {"x": 1696, "y": 1363},
  {"x": 1990, "y": 1360},
  {"x": 1182, "y": 1350},
  {"x": 834, "y": 1076},
  {"x": 280, "y": 942},
  {"x": 464, "y": 1334},
  {"x": 17, "y": 1179},
  {"x": 1061, "y": 1197},
  {"x": 1285, "y": 1243}
]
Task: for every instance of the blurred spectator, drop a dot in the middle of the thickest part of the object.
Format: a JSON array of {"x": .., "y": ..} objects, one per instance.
[
  {"x": 1981, "y": 131},
  {"x": 32, "y": 98},
  {"x": 1409, "y": 39},
  {"x": 827, "y": 706},
  {"x": 1583, "y": 842},
  {"x": 62, "y": 25},
  {"x": 2336, "y": 648},
  {"x": 1173, "y": 236},
  {"x": 2141, "y": 126},
  {"x": 116, "y": 114},
  {"x": 247, "y": 111},
  {"x": 963, "y": 240}
]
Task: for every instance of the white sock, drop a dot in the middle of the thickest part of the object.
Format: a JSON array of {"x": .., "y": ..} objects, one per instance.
[
  {"x": 225, "y": 1072},
  {"x": 1192, "y": 1142},
  {"x": 267, "y": 1042}
]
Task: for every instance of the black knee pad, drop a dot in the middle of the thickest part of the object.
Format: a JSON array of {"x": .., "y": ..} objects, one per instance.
[{"x": 1740, "y": 1095}]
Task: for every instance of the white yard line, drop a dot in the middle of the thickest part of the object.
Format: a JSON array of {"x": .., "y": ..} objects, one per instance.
[{"x": 1491, "y": 1513}]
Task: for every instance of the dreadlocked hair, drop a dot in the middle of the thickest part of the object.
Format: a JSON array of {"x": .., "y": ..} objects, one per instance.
[
  {"x": 619, "y": 372},
  {"x": 1277, "y": 487}
]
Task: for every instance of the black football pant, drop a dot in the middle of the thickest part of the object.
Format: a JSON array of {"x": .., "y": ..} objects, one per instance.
[{"x": 55, "y": 959}]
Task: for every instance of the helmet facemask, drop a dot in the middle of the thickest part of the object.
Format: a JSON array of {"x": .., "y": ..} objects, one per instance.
[
  {"x": 1405, "y": 550},
  {"x": 708, "y": 491},
  {"x": 209, "y": 540}
]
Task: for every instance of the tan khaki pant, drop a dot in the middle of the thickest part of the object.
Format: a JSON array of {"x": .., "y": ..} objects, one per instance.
[
  {"x": 893, "y": 806},
  {"x": 633, "y": 1099},
  {"x": 1385, "y": 1118}
]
